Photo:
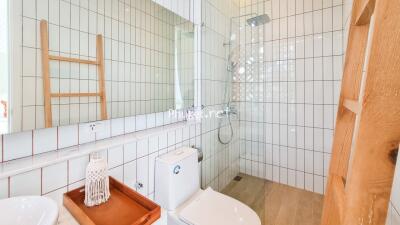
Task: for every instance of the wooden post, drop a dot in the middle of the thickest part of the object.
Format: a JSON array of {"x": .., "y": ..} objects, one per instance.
[
  {"x": 369, "y": 186},
  {"x": 368, "y": 120},
  {"x": 100, "y": 63},
  {"x": 46, "y": 74},
  {"x": 44, "y": 35}
]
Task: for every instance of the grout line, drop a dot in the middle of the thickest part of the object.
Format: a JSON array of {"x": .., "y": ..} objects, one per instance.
[
  {"x": 41, "y": 181},
  {"x": 9, "y": 187},
  {"x": 2, "y": 148}
]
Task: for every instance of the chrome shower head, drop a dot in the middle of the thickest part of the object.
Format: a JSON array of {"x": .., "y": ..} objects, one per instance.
[{"x": 258, "y": 20}]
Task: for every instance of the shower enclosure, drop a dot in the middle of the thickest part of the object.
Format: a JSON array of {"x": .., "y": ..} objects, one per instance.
[{"x": 235, "y": 68}]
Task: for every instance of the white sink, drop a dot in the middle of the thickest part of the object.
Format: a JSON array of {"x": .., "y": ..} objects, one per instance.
[{"x": 28, "y": 210}]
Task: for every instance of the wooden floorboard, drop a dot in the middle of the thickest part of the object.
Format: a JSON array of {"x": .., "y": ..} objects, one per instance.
[{"x": 277, "y": 204}]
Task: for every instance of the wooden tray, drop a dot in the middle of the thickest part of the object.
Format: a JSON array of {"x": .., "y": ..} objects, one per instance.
[{"x": 125, "y": 207}]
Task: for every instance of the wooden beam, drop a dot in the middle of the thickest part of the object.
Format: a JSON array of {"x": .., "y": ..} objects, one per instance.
[
  {"x": 344, "y": 129},
  {"x": 73, "y": 60},
  {"x": 365, "y": 12},
  {"x": 352, "y": 105},
  {"x": 44, "y": 41},
  {"x": 102, "y": 89},
  {"x": 339, "y": 195},
  {"x": 74, "y": 94},
  {"x": 372, "y": 169}
]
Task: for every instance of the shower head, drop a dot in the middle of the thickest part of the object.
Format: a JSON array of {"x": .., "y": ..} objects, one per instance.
[{"x": 258, "y": 20}]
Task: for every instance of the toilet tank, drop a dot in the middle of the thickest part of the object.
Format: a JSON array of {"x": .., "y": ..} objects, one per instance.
[{"x": 176, "y": 177}]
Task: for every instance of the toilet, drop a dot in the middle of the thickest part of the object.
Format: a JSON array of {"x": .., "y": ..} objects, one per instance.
[{"x": 177, "y": 190}]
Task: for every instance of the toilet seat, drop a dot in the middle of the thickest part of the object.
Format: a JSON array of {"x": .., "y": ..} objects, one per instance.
[{"x": 213, "y": 208}]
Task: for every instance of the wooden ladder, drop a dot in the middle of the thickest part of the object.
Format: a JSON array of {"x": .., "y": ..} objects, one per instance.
[
  {"x": 367, "y": 128},
  {"x": 46, "y": 57}
]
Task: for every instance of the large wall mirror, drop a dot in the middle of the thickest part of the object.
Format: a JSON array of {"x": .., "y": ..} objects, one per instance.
[{"x": 148, "y": 61}]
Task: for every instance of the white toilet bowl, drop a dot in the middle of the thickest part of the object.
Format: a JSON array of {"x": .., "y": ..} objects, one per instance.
[
  {"x": 178, "y": 191},
  {"x": 213, "y": 208}
]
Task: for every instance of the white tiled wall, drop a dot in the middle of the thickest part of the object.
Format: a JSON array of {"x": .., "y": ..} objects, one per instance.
[
  {"x": 134, "y": 162},
  {"x": 138, "y": 50},
  {"x": 221, "y": 162},
  {"x": 29, "y": 143},
  {"x": 130, "y": 163},
  {"x": 289, "y": 90}
]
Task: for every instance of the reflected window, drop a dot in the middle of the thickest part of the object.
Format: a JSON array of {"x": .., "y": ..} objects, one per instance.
[{"x": 184, "y": 65}]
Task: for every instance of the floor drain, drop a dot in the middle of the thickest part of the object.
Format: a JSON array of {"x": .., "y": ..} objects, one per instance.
[{"x": 237, "y": 178}]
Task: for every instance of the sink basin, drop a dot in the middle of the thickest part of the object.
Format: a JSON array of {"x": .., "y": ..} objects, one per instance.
[{"x": 28, "y": 210}]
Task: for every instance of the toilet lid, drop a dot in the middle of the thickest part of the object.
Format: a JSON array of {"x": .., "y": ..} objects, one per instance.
[{"x": 214, "y": 208}]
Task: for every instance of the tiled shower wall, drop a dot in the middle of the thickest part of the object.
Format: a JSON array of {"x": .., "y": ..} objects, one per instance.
[
  {"x": 222, "y": 163},
  {"x": 138, "y": 51},
  {"x": 289, "y": 88}
]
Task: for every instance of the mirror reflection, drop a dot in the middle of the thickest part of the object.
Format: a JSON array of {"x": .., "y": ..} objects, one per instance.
[{"x": 72, "y": 65}]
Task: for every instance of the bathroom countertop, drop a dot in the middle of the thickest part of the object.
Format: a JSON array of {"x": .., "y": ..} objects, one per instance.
[
  {"x": 65, "y": 218},
  {"x": 30, "y": 163}
]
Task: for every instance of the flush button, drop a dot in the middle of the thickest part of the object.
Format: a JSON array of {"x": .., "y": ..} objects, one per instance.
[{"x": 177, "y": 169}]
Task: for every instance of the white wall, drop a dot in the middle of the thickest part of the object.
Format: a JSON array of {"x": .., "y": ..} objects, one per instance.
[{"x": 222, "y": 163}]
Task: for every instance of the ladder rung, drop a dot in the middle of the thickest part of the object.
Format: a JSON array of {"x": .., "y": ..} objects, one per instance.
[
  {"x": 367, "y": 9},
  {"x": 352, "y": 105},
  {"x": 74, "y": 94},
  {"x": 73, "y": 60},
  {"x": 339, "y": 194}
]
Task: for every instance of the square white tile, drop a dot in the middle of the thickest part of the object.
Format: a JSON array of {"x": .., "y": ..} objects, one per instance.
[
  {"x": 54, "y": 177},
  {"x": 4, "y": 188},
  {"x": 143, "y": 174},
  {"x": 104, "y": 131},
  {"x": 17, "y": 145},
  {"x": 26, "y": 184},
  {"x": 130, "y": 124},
  {"x": 142, "y": 147},
  {"x": 117, "y": 127},
  {"x": 44, "y": 140},
  {"x": 77, "y": 169},
  {"x": 67, "y": 136},
  {"x": 115, "y": 156},
  {"x": 130, "y": 174},
  {"x": 117, "y": 173}
]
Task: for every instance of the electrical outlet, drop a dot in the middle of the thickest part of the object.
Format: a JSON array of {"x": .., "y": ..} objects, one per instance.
[{"x": 96, "y": 127}]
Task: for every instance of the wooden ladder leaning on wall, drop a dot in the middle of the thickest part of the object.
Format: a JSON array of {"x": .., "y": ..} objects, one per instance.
[
  {"x": 368, "y": 121},
  {"x": 46, "y": 57}
]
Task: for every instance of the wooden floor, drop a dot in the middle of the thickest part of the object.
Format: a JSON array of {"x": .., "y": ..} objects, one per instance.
[{"x": 277, "y": 204}]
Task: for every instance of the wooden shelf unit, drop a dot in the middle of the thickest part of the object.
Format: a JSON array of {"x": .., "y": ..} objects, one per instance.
[
  {"x": 46, "y": 58},
  {"x": 367, "y": 130}
]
